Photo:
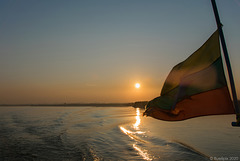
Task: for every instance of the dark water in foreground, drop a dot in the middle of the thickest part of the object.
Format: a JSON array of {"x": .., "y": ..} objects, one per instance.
[{"x": 112, "y": 133}]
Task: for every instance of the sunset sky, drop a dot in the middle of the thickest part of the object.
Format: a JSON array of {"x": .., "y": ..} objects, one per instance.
[{"x": 67, "y": 51}]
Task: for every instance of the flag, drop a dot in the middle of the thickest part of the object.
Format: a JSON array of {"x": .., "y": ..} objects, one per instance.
[{"x": 194, "y": 87}]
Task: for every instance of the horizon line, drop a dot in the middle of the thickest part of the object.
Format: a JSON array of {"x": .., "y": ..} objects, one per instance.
[{"x": 134, "y": 104}]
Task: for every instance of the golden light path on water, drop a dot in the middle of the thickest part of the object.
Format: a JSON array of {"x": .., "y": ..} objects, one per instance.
[
  {"x": 132, "y": 135},
  {"x": 138, "y": 120}
]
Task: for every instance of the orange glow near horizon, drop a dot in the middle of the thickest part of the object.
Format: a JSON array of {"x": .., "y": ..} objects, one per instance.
[{"x": 71, "y": 91}]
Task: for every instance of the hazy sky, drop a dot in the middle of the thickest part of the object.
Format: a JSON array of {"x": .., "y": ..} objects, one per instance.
[{"x": 56, "y": 51}]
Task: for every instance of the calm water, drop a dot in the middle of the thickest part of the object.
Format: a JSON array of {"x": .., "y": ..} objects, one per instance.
[{"x": 112, "y": 133}]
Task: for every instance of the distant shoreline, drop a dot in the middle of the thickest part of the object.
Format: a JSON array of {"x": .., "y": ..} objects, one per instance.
[{"x": 140, "y": 104}]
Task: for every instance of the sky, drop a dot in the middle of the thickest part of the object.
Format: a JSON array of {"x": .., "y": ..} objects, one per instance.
[{"x": 68, "y": 51}]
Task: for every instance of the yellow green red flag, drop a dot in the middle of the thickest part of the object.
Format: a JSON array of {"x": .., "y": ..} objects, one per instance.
[{"x": 194, "y": 87}]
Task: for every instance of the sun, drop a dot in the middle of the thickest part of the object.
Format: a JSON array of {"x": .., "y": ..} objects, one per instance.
[{"x": 137, "y": 85}]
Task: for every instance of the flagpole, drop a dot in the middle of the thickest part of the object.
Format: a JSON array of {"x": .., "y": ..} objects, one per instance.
[{"x": 225, "y": 53}]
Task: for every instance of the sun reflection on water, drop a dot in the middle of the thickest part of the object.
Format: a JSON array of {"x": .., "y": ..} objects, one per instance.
[
  {"x": 138, "y": 120},
  {"x": 142, "y": 152}
]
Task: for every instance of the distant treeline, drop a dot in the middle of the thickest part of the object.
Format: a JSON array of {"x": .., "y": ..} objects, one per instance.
[{"x": 140, "y": 104}]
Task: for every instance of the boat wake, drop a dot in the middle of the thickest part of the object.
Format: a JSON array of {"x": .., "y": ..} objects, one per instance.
[{"x": 151, "y": 148}]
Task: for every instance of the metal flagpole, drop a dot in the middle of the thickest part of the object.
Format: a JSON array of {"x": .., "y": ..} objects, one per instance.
[{"x": 225, "y": 53}]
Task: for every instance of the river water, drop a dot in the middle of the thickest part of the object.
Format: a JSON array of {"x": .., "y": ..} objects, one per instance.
[{"x": 112, "y": 133}]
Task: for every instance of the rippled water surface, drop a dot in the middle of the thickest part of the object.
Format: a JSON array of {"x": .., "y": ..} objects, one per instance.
[{"x": 112, "y": 133}]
